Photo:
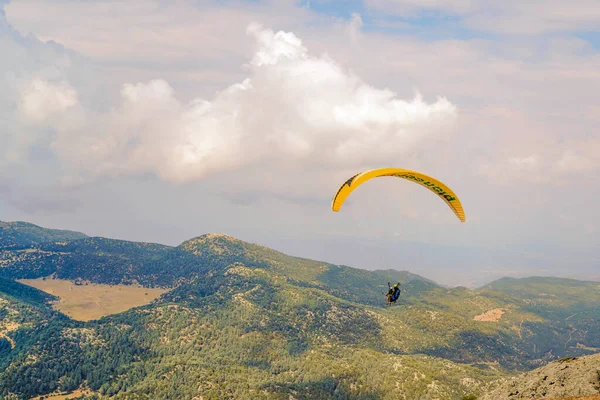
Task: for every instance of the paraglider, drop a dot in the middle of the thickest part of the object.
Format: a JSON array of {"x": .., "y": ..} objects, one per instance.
[
  {"x": 393, "y": 294},
  {"x": 437, "y": 187}
]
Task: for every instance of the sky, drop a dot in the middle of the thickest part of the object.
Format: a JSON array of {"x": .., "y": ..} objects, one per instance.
[{"x": 160, "y": 121}]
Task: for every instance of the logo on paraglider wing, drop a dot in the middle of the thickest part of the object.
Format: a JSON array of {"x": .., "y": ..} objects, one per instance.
[
  {"x": 430, "y": 185},
  {"x": 349, "y": 181}
]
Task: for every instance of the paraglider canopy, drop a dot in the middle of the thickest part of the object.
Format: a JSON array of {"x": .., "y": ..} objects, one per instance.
[{"x": 437, "y": 187}]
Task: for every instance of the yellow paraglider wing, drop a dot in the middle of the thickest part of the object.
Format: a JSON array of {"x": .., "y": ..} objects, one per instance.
[{"x": 430, "y": 183}]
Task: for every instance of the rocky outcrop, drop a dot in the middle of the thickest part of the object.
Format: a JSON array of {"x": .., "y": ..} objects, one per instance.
[{"x": 565, "y": 378}]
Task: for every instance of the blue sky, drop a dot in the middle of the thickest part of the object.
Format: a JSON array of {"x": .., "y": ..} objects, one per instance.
[{"x": 176, "y": 119}]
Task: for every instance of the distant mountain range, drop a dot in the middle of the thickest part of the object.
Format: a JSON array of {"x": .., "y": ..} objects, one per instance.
[{"x": 244, "y": 321}]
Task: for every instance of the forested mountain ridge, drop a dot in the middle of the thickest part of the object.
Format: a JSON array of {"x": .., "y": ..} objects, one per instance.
[
  {"x": 245, "y": 321},
  {"x": 110, "y": 261},
  {"x": 19, "y": 233}
]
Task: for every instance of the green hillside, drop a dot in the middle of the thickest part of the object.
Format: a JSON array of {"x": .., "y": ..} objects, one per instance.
[
  {"x": 244, "y": 321},
  {"x": 18, "y": 234},
  {"x": 24, "y": 293},
  {"x": 243, "y": 332}
]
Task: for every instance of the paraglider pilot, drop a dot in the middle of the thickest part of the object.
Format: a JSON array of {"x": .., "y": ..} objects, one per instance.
[{"x": 393, "y": 293}]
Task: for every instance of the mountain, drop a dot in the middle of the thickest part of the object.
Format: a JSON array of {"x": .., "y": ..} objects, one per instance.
[
  {"x": 567, "y": 377},
  {"x": 110, "y": 261},
  {"x": 269, "y": 326},
  {"x": 18, "y": 234},
  {"x": 244, "y": 321},
  {"x": 551, "y": 297}
]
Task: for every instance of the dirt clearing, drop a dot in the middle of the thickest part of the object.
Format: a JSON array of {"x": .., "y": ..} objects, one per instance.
[
  {"x": 490, "y": 316},
  {"x": 91, "y": 301}
]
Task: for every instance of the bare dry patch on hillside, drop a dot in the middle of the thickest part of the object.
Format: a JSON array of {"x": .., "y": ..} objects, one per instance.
[
  {"x": 594, "y": 349},
  {"x": 5, "y": 328},
  {"x": 92, "y": 301},
  {"x": 490, "y": 316},
  {"x": 71, "y": 395}
]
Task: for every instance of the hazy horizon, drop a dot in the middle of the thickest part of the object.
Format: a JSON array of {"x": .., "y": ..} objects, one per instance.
[{"x": 174, "y": 120}]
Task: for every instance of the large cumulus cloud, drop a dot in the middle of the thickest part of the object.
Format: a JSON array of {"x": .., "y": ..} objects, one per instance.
[{"x": 294, "y": 107}]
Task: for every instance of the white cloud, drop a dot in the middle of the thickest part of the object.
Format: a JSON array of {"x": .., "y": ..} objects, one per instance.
[
  {"x": 523, "y": 163},
  {"x": 195, "y": 46},
  {"x": 514, "y": 169},
  {"x": 293, "y": 106},
  {"x": 532, "y": 168},
  {"x": 572, "y": 162},
  {"x": 354, "y": 26},
  {"x": 41, "y": 100}
]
